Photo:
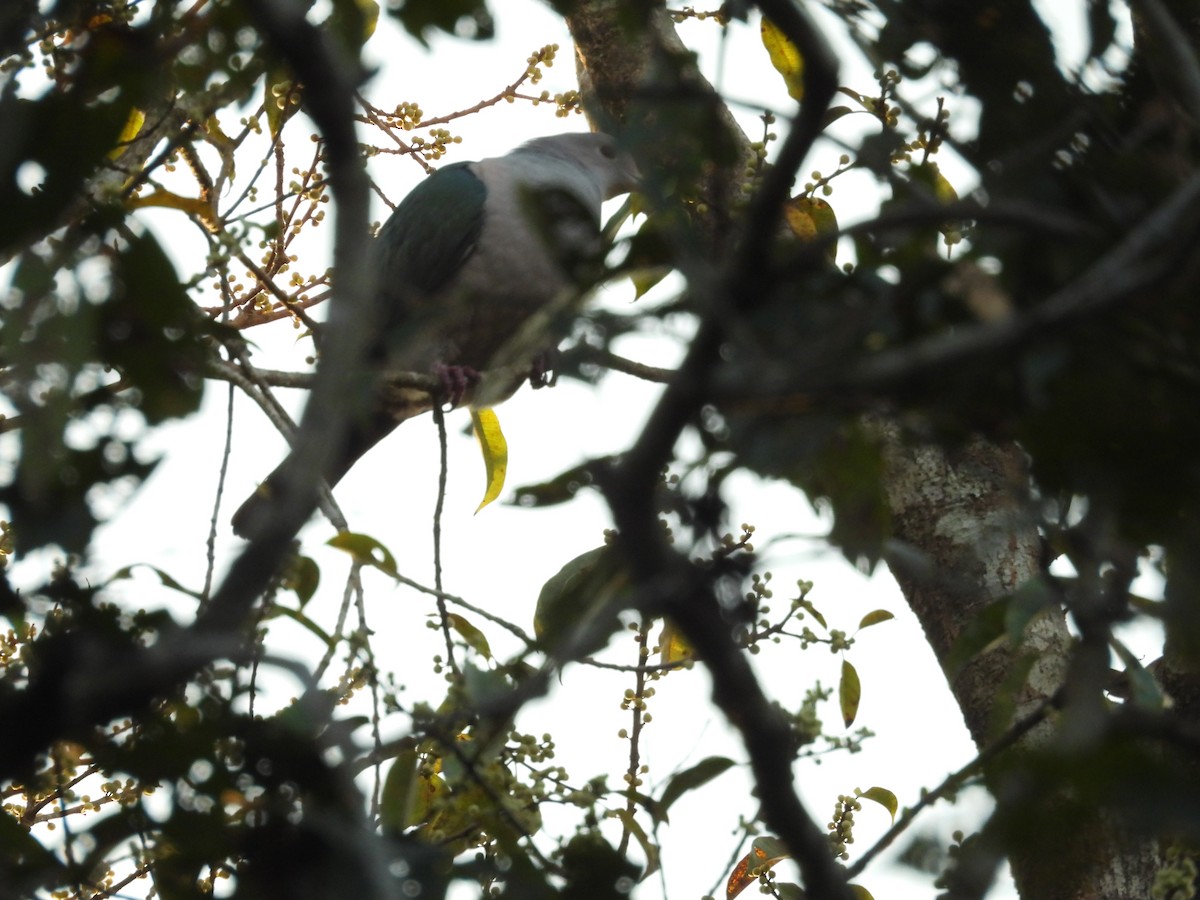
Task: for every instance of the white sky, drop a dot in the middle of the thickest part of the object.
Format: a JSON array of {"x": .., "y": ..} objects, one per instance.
[{"x": 500, "y": 558}]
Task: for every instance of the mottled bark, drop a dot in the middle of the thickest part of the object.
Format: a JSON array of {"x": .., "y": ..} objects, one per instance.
[
  {"x": 965, "y": 538},
  {"x": 964, "y": 532}
]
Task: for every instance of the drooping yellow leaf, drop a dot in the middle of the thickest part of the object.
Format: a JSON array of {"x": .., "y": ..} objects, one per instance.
[
  {"x": 785, "y": 57},
  {"x": 495, "y": 452},
  {"x": 849, "y": 693},
  {"x": 883, "y": 797},
  {"x": 764, "y": 853},
  {"x": 133, "y": 126}
]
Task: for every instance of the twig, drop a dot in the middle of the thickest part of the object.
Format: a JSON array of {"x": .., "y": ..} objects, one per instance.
[
  {"x": 440, "y": 419},
  {"x": 951, "y": 784}
]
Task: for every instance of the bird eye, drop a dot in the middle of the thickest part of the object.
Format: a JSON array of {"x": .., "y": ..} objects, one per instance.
[{"x": 609, "y": 151}]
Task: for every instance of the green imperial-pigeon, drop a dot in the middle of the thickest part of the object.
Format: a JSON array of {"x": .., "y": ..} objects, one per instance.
[{"x": 465, "y": 260}]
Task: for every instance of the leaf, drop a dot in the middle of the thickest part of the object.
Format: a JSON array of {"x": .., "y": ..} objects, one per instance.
[
  {"x": 303, "y": 576},
  {"x": 278, "y": 609},
  {"x": 833, "y": 114},
  {"x": 849, "y": 693},
  {"x": 764, "y": 853},
  {"x": 649, "y": 849},
  {"x": 365, "y": 550},
  {"x": 352, "y": 22},
  {"x": 407, "y": 795},
  {"x": 137, "y": 119},
  {"x": 673, "y": 646},
  {"x": 495, "y": 452},
  {"x": 930, "y": 176},
  {"x": 1144, "y": 690},
  {"x": 462, "y": 18},
  {"x": 860, "y": 892},
  {"x": 473, "y": 636},
  {"x": 561, "y": 488},
  {"x": 163, "y": 577},
  {"x": 807, "y": 605},
  {"x": 148, "y": 330},
  {"x": 281, "y": 98},
  {"x": 883, "y": 797},
  {"x": 785, "y": 57},
  {"x": 874, "y": 617},
  {"x": 691, "y": 778},
  {"x": 809, "y": 217},
  {"x": 646, "y": 278},
  {"x": 574, "y": 606},
  {"x": 983, "y": 630}
]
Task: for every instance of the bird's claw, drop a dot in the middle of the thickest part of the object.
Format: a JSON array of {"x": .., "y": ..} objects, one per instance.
[{"x": 456, "y": 382}]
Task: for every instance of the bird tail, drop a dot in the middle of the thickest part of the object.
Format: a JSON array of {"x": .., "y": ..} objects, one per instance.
[{"x": 257, "y": 510}]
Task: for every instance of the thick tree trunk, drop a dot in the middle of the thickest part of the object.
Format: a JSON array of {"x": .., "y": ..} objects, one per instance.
[
  {"x": 964, "y": 533},
  {"x": 965, "y": 539}
]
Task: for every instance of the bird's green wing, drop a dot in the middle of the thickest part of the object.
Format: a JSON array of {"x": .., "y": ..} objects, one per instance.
[{"x": 432, "y": 232}]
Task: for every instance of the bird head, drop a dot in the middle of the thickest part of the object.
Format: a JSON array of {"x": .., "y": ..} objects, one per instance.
[{"x": 596, "y": 154}]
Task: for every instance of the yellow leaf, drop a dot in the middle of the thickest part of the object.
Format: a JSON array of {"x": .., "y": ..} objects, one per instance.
[
  {"x": 874, "y": 617},
  {"x": 849, "y": 693},
  {"x": 197, "y": 206},
  {"x": 495, "y": 452},
  {"x": 133, "y": 126},
  {"x": 785, "y": 57},
  {"x": 799, "y": 218},
  {"x": 673, "y": 647},
  {"x": 808, "y": 217},
  {"x": 366, "y": 550}
]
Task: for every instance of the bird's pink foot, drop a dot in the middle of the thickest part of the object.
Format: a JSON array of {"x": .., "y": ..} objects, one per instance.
[{"x": 456, "y": 381}]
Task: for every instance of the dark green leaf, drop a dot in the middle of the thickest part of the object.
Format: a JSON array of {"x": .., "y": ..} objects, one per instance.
[
  {"x": 691, "y": 778},
  {"x": 560, "y": 489},
  {"x": 575, "y": 609},
  {"x": 462, "y": 18}
]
